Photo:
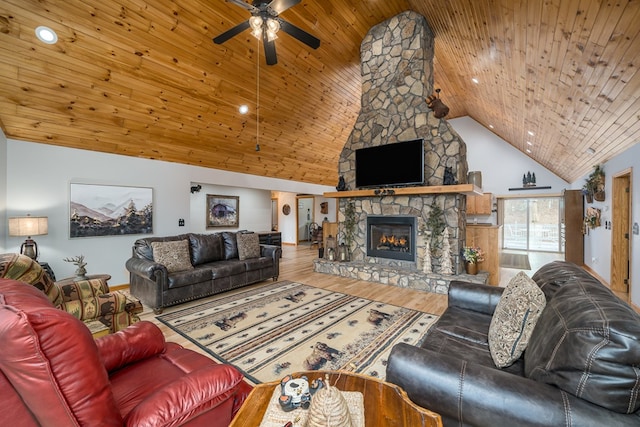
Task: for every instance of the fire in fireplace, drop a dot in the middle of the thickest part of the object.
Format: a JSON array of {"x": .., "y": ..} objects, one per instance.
[{"x": 392, "y": 237}]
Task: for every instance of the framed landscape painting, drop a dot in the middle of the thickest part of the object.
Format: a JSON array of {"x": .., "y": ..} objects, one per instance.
[
  {"x": 109, "y": 210},
  {"x": 222, "y": 211}
]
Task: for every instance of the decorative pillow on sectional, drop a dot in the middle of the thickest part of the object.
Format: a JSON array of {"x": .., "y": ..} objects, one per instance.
[
  {"x": 248, "y": 245},
  {"x": 514, "y": 319},
  {"x": 174, "y": 255}
]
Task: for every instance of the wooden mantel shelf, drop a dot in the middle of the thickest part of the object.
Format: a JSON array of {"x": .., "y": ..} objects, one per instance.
[{"x": 468, "y": 189}]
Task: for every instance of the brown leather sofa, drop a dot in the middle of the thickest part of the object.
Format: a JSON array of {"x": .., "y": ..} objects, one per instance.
[
  {"x": 216, "y": 263},
  {"x": 53, "y": 373},
  {"x": 581, "y": 366}
]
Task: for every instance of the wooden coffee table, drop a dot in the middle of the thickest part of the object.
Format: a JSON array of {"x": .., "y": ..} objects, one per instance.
[{"x": 385, "y": 404}]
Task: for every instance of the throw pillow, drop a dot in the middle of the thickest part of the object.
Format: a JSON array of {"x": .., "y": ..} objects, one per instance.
[
  {"x": 513, "y": 321},
  {"x": 248, "y": 245},
  {"x": 173, "y": 255}
]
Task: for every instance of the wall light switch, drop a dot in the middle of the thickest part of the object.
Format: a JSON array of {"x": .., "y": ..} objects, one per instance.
[{"x": 181, "y": 222}]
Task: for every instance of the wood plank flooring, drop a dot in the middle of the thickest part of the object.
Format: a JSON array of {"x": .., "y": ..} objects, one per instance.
[{"x": 297, "y": 265}]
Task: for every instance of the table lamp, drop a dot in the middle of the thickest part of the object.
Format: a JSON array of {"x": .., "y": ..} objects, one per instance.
[{"x": 29, "y": 226}]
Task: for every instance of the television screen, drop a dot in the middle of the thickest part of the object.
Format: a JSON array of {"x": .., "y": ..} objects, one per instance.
[{"x": 400, "y": 163}]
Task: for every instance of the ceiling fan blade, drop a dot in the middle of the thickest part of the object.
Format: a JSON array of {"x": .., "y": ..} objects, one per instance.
[
  {"x": 269, "y": 50},
  {"x": 243, "y": 4},
  {"x": 232, "y": 32},
  {"x": 279, "y": 6},
  {"x": 299, "y": 34}
]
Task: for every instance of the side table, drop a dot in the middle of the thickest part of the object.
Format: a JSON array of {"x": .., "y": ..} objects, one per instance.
[{"x": 385, "y": 404}]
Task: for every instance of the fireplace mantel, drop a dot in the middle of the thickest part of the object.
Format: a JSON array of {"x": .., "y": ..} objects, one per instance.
[{"x": 468, "y": 189}]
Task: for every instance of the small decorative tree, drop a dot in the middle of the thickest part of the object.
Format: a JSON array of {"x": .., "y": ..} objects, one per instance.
[
  {"x": 426, "y": 263},
  {"x": 446, "y": 266}
]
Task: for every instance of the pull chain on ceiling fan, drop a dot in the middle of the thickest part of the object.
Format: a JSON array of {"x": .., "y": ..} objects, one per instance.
[{"x": 265, "y": 24}]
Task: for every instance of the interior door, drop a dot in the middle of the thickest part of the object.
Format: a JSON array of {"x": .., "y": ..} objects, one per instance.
[{"x": 620, "y": 232}]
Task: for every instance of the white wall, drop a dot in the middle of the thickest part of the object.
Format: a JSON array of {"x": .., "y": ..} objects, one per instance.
[
  {"x": 254, "y": 212},
  {"x": 45, "y": 191},
  {"x": 597, "y": 244},
  {"x": 502, "y": 166},
  {"x": 287, "y": 223}
]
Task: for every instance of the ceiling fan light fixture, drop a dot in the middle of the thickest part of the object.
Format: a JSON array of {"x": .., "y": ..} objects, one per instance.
[{"x": 256, "y": 22}]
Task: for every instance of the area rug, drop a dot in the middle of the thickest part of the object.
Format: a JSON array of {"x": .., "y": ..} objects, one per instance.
[
  {"x": 518, "y": 261},
  {"x": 285, "y": 327}
]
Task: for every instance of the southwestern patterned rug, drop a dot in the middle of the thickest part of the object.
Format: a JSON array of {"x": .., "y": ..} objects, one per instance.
[{"x": 285, "y": 327}]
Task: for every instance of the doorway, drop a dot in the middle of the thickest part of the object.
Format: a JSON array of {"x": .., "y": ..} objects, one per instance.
[
  {"x": 304, "y": 218},
  {"x": 274, "y": 214},
  {"x": 620, "y": 233},
  {"x": 531, "y": 224}
]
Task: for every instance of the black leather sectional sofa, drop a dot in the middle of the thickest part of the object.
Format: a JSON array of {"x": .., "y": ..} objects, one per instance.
[
  {"x": 581, "y": 366},
  {"x": 216, "y": 268}
]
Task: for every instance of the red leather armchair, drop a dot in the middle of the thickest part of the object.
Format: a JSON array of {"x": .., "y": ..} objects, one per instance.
[{"x": 53, "y": 373}]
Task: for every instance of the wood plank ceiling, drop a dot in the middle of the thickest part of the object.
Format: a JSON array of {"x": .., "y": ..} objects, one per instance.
[{"x": 143, "y": 78}]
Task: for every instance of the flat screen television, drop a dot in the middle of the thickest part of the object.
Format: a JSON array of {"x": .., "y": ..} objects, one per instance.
[{"x": 389, "y": 165}]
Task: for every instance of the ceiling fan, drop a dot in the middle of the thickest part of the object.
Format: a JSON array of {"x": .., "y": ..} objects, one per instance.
[{"x": 265, "y": 23}]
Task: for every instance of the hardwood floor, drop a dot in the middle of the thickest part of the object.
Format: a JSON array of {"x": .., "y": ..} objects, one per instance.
[{"x": 297, "y": 265}]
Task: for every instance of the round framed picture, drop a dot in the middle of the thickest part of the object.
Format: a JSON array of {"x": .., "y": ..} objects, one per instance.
[{"x": 286, "y": 209}]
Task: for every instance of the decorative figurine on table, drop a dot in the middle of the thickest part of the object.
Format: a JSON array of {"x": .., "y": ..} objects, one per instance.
[{"x": 296, "y": 392}]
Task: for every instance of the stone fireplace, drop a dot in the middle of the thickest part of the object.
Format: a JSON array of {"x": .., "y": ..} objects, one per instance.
[
  {"x": 397, "y": 77},
  {"x": 392, "y": 237}
]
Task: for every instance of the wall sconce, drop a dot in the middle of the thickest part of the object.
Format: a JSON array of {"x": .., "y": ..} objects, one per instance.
[
  {"x": 29, "y": 226},
  {"x": 196, "y": 188}
]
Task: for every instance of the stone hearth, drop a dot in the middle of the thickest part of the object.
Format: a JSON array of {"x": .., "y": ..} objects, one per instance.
[{"x": 397, "y": 77}]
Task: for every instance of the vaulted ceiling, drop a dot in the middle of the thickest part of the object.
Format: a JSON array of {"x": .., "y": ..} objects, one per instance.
[{"x": 143, "y": 78}]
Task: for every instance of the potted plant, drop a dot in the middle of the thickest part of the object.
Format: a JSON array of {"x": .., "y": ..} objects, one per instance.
[
  {"x": 472, "y": 256},
  {"x": 593, "y": 187}
]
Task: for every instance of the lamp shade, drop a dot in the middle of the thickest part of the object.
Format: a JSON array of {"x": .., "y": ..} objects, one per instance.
[{"x": 28, "y": 226}]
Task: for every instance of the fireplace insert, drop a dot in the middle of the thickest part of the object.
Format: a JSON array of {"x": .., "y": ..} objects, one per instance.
[{"x": 392, "y": 237}]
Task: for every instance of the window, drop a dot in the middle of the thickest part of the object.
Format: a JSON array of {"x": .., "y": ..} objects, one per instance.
[{"x": 531, "y": 224}]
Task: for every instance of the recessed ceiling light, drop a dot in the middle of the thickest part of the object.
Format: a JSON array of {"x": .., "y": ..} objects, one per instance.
[
  {"x": 529, "y": 143},
  {"x": 530, "y": 133},
  {"x": 528, "y": 151},
  {"x": 475, "y": 80},
  {"x": 591, "y": 150},
  {"x": 490, "y": 126},
  {"x": 46, "y": 35},
  {"x": 243, "y": 109}
]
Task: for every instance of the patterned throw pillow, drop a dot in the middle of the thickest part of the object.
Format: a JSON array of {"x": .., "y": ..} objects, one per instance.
[
  {"x": 248, "y": 245},
  {"x": 514, "y": 319},
  {"x": 173, "y": 255}
]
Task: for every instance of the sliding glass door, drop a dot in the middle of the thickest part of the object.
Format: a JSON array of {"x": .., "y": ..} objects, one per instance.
[{"x": 531, "y": 224}]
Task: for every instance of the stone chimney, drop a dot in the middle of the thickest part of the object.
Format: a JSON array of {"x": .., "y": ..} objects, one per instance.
[{"x": 397, "y": 77}]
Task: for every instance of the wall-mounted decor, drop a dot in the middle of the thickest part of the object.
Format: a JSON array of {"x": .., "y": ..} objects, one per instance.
[
  {"x": 286, "y": 209},
  {"x": 593, "y": 188},
  {"x": 592, "y": 218},
  {"x": 223, "y": 211},
  {"x": 529, "y": 179},
  {"x": 109, "y": 210}
]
